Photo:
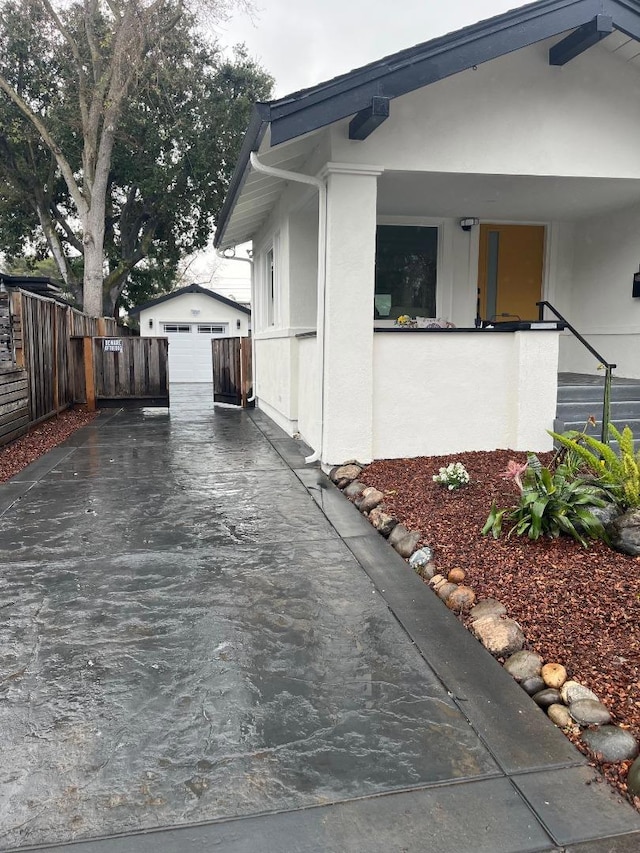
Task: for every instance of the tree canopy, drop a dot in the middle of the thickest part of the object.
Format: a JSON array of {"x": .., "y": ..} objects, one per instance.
[{"x": 116, "y": 196}]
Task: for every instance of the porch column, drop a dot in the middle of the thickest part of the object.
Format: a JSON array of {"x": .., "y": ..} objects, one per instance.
[{"x": 350, "y": 271}]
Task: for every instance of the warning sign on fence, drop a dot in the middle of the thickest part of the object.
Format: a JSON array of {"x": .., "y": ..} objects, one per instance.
[{"x": 112, "y": 345}]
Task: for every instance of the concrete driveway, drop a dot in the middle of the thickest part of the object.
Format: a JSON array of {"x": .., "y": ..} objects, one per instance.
[{"x": 204, "y": 646}]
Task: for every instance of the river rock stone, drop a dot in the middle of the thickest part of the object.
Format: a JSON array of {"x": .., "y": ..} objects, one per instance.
[
  {"x": 547, "y": 697},
  {"x": 586, "y": 712},
  {"x": 428, "y": 571},
  {"x": 354, "y": 489},
  {"x": 610, "y": 742},
  {"x": 605, "y": 514},
  {"x": 421, "y": 557},
  {"x": 488, "y": 607},
  {"x": 633, "y": 779},
  {"x": 624, "y": 532},
  {"x": 382, "y": 521},
  {"x": 532, "y": 685},
  {"x": 445, "y": 590},
  {"x": 398, "y": 533},
  {"x": 345, "y": 473},
  {"x": 370, "y": 499},
  {"x": 456, "y": 576},
  {"x": 572, "y": 691},
  {"x": 436, "y": 580},
  {"x": 407, "y": 545},
  {"x": 554, "y": 675},
  {"x": 559, "y": 714},
  {"x": 523, "y": 665},
  {"x": 462, "y": 598},
  {"x": 501, "y": 637}
]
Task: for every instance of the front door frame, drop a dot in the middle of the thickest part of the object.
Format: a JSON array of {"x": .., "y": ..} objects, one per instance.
[{"x": 483, "y": 310}]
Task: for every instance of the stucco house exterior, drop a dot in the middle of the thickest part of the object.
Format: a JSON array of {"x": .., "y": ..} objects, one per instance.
[
  {"x": 460, "y": 181},
  {"x": 190, "y": 317}
]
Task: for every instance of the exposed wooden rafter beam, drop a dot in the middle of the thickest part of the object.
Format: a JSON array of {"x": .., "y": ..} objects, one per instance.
[
  {"x": 367, "y": 120},
  {"x": 580, "y": 40}
]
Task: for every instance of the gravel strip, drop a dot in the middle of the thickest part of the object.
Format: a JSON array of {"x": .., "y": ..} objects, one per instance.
[
  {"x": 41, "y": 438},
  {"x": 579, "y": 607}
]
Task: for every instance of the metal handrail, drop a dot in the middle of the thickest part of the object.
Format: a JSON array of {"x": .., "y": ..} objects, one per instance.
[{"x": 606, "y": 403}]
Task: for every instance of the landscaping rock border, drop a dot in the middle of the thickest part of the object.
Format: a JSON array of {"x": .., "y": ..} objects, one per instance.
[{"x": 571, "y": 706}]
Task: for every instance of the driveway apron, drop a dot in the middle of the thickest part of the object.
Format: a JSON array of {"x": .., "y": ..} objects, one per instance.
[{"x": 203, "y": 645}]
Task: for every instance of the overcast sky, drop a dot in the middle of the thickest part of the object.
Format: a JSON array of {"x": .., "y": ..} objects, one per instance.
[{"x": 303, "y": 42}]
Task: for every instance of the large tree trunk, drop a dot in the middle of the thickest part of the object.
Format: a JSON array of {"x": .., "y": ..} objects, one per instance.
[{"x": 93, "y": 241}]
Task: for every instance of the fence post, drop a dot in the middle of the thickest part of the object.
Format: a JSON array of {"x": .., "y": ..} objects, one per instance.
[
  {"x": 102, "y": 327},
  {"x": 56, "y": 360},
  {"x": 89, "y": 374}
]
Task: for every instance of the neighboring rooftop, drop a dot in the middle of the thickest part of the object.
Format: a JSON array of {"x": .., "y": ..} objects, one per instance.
[{"x": 191, "y": 288}]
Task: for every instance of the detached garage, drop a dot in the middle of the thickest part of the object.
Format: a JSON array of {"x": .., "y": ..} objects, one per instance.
[{"x": 190, "y": 318}]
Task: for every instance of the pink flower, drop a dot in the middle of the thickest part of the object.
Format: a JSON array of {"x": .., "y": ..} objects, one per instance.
[{"x": 514, "y": 472}]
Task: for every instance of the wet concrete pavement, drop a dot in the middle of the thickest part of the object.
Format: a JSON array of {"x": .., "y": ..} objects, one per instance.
[{"x": 204, "y": 646}]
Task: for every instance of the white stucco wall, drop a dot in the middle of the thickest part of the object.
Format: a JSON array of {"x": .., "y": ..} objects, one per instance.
[
  {"x": 445, "y": 393},
  {"x": 181, "y": 308},
  {"x": 309, "y": 416},
  {"x": 514, "y": 115},
  {"x": 606, "y": 255},
  {"x": 276, "y": 380}
]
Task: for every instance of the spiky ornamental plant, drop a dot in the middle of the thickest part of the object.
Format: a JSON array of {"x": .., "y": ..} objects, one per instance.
[
  {"x": 617, "y": 473},
  {"x": 550, "y": 504}
]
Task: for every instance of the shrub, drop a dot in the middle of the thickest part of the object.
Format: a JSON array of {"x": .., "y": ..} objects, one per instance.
[
  {"x": 550, "y": 503},
  {"x": 616, "y": 473}
]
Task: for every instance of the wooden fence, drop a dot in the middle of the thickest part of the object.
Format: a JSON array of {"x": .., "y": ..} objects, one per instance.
[
  {"x": 130, "y": 369},
  {"x": 232, "y": 370},
  {"x": 37, "y": 342},
  {"x": 14, "y": 404}
]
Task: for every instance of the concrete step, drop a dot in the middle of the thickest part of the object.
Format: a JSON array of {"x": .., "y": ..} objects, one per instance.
[
  {"x": 588, "y": 393},
  {"x": 632, "y": 423},
  {"x": 621, "y": 410}
]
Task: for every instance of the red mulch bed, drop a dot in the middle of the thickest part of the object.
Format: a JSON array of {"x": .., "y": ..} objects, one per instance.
[
  {"x": 40, "y": 438},
  {"x": 579, "y": 607}
]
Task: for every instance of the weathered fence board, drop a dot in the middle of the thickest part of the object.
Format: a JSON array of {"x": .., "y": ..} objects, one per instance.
[
  {"x": 231, "y": 370},
  {"x": 131, "y": 369},
  {"x": 6, "y": 337},
  {"x": 14, "y": 404}
]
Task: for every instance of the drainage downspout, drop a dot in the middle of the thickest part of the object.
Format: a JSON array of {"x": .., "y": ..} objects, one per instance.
[{"x": 296, "y": 177}]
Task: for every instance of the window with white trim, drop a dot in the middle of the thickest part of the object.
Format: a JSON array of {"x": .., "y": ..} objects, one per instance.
[
  {"x": 270, "y": 289},
  {"x": 212, "y": 328},
  {"x": 173, "y": 328},
  {"x": 406, "y": 271}
]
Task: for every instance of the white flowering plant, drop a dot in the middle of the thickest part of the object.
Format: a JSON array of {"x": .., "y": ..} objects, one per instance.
[{"x": 454, "y": 476}]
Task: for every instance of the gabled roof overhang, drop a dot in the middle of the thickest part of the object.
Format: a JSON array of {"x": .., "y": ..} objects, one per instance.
[
  {"x": 358, "y": 92},
  {"x": 191, "y": 288}
]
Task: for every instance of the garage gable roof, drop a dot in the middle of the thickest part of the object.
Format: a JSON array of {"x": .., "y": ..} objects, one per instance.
[
  {"x": 191, "y": 288},
  {"x": 400, "y": 73}
]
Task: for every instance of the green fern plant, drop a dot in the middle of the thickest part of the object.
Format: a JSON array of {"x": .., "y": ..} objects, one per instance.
[{"x": 618, "y": 473}]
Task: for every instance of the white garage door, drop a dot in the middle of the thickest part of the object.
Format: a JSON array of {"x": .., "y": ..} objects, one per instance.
[{"x": 190, "y": 350}]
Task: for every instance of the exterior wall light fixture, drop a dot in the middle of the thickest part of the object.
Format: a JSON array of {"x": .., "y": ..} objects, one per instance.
[{"x": 468, "y": 223}]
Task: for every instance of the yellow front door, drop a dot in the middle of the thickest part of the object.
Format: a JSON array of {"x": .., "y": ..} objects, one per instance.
[{"x": 510, "y": 271}]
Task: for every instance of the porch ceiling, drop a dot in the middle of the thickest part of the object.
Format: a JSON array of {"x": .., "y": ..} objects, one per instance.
[{"x": 502, "y": 197}]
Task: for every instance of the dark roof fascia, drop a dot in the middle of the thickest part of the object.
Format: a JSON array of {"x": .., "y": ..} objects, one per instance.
[
  {"x": 20, "y": 280},
  {"x": 253, "y": 137},
  {"x": 626, "y": 16},
  {"x": 191, "y": 288},
  {"x": 434, "y": 60},
  {"x": 310, "y": 109}
]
